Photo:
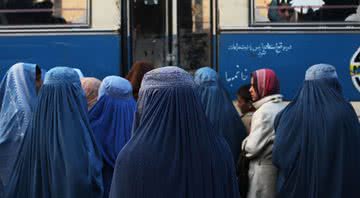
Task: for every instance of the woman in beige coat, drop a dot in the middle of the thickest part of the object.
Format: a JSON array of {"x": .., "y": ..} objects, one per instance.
[{"x": 258, "y": 145}]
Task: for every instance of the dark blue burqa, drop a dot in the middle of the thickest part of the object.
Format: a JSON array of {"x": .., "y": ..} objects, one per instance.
[
  {"x": 174, "y": 151},
  {"x": 111, "y": 120},
  {"x": 219, "y": 109},
  {"x": 1, "y": 189},
  {"x": 317, "y": 141},
  {"x": 59, "y": 157}
]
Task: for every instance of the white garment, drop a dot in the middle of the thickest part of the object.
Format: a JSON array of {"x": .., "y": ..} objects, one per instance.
[
  {"x": 258, "y": 147},
  {"x": 354, "y": 17}
]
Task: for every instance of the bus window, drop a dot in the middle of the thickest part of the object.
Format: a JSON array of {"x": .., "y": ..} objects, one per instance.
[
  {"x": 305, "y": 11},
  {"x": 43, "y": 12}
]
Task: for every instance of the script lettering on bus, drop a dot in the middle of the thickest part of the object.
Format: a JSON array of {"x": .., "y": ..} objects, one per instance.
[
  {"x": 262, "y": 49},
  {"x": 239, "y": 73}
]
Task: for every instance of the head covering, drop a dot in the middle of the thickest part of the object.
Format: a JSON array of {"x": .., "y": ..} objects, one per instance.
[
  {"x": 111, "y": 120},
  {"x": 265, "y": 82},
  {"x": 317, "y": 140},
  {"x": 43, "y": 73},
  {"x": 17, "y": 101},
  {"x": 91, "y": 87},
  {"x": 136, "y": 75},
  {"x": 174, "y": 151},
  {"x": 219, "y": 109},
  {"x": 79, "y": 72},
  {"x": 59, "y": 157}
]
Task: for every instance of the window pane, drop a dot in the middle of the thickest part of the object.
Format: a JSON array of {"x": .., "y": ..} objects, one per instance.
[
  {"x": 306, "y": 11},
  {"x": 194, "y": 33},
  {"x": 149, "y": 31},
  {"x": 43, "y": 12}
]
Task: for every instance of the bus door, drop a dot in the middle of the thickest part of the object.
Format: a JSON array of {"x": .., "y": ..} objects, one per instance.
[{"x": 172, "y": 32}]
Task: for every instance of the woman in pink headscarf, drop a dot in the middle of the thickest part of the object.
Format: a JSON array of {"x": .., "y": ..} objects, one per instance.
[
  {"x": 91, "y": 87},
  {"x": 265, "y": 93}
]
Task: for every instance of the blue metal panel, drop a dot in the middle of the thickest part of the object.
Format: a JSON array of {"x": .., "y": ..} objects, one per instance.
[
  {"x": 95, "y": 55},
  {"x": 289, "y": 55}
]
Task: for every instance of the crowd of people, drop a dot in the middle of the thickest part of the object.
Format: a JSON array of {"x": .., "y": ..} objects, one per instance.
[{"x": 163, "y": 132}]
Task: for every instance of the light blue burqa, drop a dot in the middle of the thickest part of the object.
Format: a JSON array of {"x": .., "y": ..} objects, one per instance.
[
  {"x": 111, "y": 120},
  {"x": 17, "y": 101}
]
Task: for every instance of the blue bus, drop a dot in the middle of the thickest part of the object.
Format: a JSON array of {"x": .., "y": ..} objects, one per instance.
[{"x": 235, "y": 37}]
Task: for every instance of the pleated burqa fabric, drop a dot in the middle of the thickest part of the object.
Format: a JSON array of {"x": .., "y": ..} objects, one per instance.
[
  {"x": 219, "y": 109},
  {"x": 59, "y": 157},
  {"x": 174, "y": 151},
  {"x": 17, "y": 102},
  {"x": 1, "y": 189},
  {"x": 111, "y": 120},
  {"x": 317, "y": 141}
]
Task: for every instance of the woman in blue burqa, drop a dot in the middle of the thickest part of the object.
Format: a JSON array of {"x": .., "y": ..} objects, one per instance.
[
  {"x": 111, "y": 120},
  {"x": 17, "y": 103},
  {"x": 219, "y": 109},
  {"x": 174, "y": 152},
  {"x": 317, "y": 141},
  {"x": 59, "y": 157}
]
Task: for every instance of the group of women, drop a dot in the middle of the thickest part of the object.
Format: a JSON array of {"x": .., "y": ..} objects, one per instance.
[{"x": 165, "y": 133}]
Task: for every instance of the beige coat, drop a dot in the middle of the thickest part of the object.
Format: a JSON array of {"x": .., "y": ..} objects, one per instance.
[
  {"x": 258, "y": 146},
  {"x": 246, "y": 119}
]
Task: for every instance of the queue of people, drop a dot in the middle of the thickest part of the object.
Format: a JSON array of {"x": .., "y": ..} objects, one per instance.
[{"x": 161, "y": 132}]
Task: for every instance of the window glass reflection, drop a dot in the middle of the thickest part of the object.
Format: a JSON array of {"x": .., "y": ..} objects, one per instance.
[
  {"x": 43, "y": 12},
  {"x": 307, "y": 11}
]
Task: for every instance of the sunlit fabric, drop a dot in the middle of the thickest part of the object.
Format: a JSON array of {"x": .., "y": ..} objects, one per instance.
[
  {"x": 79, "y": 72},
  {"x": 219, "y": 109},
  {"x": 91, "y": 87},
  {"x": 43, "y": 73},
  {"x": 17, "y": 102},
  {"x": 174, "y": 151},
  {"x": 111, "y": 120},
  {"x": 317, "y": 141},
  {"x": 59, "y": 157}
]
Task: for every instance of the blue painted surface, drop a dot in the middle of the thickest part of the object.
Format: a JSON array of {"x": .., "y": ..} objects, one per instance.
[
  {"x": 95, "y": 55},
  {"x": 289, "y": 55}
]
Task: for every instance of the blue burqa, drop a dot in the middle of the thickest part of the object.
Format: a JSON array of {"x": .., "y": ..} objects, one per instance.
[
  {"x": 17, "y": 102},
  {"x": 1, "y": 189},
  {"x": 317, "y": 141},
  {"x": 219, "y": 109},
  {"x": 174, "y": 152},
  {"x": 111, "y": 120},
  {"x": 59, "y": 157}
]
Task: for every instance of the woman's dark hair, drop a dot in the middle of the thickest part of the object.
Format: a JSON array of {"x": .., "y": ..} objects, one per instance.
[
  {"x": 136, "y": 75},
  {"x": 244, "y": 93}
]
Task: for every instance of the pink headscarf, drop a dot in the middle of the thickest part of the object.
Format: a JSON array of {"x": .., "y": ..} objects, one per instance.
[
  {"x": 265, "y": 82},
  {"x": 91, "y": 87}
]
